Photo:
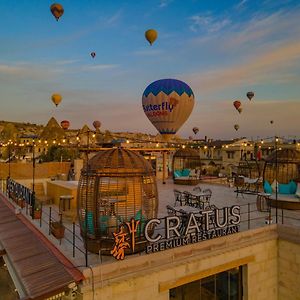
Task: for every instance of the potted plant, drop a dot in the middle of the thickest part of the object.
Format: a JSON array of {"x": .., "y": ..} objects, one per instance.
[
  {"x": 37, "y": 212},
  {"x": 57, "y": 228}
]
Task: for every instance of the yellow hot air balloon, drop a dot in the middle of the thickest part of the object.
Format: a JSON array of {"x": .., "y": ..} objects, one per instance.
[
  {"x": 168, "y": 103},
  {"x": 56, "y": 99},
  {"x": 151, "y": 35},
  {"x": 57, "y": 10}
]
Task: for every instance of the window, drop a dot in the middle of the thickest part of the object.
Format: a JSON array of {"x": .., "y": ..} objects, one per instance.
[
  {"x": 230, "y": 154},
  {"x": 222, "y": 286}
]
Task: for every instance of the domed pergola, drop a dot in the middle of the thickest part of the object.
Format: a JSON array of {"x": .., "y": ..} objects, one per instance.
[
  {"x": 186, "y": 166},
  {"x": 115, "y": 186},
  {"x": 288, "y": 165}
]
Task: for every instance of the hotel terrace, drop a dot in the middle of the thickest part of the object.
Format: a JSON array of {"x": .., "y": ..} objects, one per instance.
[{"x": 121, "y": 229}]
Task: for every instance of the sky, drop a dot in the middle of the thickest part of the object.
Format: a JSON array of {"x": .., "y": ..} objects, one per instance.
[{"x": 221, "y": 49}]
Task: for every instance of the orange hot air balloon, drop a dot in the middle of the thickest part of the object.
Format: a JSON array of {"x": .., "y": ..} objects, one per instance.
[
  {"x": 93, "y": 54},
  {"x": 151, "y": 35},
  {"x": 65, "y": 124},
  {"x": 57, "y": 10},
  {"x": 56, "y": 99},
  {"x": 237, "y": 104},
  {"x": 240, "y": 109},
  {"x": 250, "y": 95},
  {"x": 97, "y": 124}
]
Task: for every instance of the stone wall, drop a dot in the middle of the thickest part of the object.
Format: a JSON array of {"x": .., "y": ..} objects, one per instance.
[
  {"x": 42, "y": 170},
  {"x": 152, "y": 276},
  {"x": 288, "y": 263}
]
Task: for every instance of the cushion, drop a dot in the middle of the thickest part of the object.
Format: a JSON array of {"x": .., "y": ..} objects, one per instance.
[
  {"x": 185, "y": 172},
  {"x": 90, "y": 223},
  {"x": 177, "y": 173},
  {"x": 274, "y": 185},
  {"x": 103, "y": 220},
  {"x": 267, "y": 187},
  {"x": 284, "y": 188},
  {"x": 293, "y": 187}
]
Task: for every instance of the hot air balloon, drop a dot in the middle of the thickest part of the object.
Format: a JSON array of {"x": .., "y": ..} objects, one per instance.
[
  {"x": 240, "y": 109},
  {"x": 93, "y": 54},
  {"x": 190, "y": 138},
  {"x": 56, "y": 99},
  {"x": 97, "y": 124},
  {"x": 250, "y": 95},
  {"x": 271, "y": 122},
  {"x": 57, "y": 10},
  {"x": 151, "y": 35},
  {"x": 195, "y": 130},
  {"x": 168, "y": 103},
  {"x": 65, "y": 124},
  {"x": 236, "y": 127},
  {"x": 237, "y": 104}
]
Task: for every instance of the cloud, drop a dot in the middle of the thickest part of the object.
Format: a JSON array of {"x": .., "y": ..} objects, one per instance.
[
  {"x": 100, "y": 67},
  {"x": 165, "y": 3},
  {"x": 241, "y": 5},
  {"x": 207, "y": 22},
  {"x": 67, "y": 62},
  {"x": 151, "y": 52},
  {"x": 263, "y": 68}
]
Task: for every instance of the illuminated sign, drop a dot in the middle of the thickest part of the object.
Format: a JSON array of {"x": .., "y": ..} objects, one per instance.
[{"x": 175, "y": 231}]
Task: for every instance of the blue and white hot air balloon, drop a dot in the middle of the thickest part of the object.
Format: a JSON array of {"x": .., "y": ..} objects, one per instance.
[{"x": 168, "y": 103}]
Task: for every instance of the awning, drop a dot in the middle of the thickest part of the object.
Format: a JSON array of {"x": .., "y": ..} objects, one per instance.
[{"x": 41, "y": 270}]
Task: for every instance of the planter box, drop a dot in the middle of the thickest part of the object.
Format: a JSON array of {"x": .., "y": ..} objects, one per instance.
[{"x": 57, "y": 229}]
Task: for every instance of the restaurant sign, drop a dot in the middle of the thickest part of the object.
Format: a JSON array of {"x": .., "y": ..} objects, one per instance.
[{"x": 175, "y": 231}]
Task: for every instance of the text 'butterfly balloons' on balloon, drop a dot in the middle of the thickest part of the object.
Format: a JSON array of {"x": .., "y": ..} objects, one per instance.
[{"x": 168, "y": 103}]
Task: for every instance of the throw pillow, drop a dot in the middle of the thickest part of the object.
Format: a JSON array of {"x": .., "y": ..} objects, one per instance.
[
  {"x": 293, "y": 187},
  {"x": 274, "y": 185},
  {"x": 267, "y": 187},
  {"x": 284, "y": 188}
]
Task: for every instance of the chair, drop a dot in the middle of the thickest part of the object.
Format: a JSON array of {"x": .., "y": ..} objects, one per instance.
[
  {"x": 178, "y": 197},
  {"x": 171, "y": 211},
  {"x": 197, "y": 189}
]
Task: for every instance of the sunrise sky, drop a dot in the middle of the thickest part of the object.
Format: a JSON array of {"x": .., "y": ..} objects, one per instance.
[{"x": 222, "y": 49}]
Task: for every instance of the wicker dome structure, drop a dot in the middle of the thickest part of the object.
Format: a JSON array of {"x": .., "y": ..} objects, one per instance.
[
  {"x": 189, "y": 160},
  {"x": 288, "y": 166},
  {"x": 115, "y": 186}
]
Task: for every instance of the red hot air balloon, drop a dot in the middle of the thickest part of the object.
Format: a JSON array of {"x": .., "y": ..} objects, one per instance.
[
  {"x": 93, "y": 54},
  {"x": 97, "y": 124},
  {"x": 65, "y": 124},
  {"x": 250, "y": 95},
  {"x": 237, "y": 104}
]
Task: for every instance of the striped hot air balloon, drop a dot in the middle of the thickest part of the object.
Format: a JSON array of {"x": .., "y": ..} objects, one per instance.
[{"x": 168, "y": 103}]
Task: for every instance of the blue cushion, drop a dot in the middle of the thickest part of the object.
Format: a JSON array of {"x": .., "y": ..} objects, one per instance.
[
  {"x": 293, "y": 187},
  {"x": 177, "y": 173},
  {"x": 103, "y": 220},
  {"x": 185, "y": 172},
  {"x": 267, "y": 187},
  {"x": 90, "y": 223},
  {"x": 284, "y": 188}
]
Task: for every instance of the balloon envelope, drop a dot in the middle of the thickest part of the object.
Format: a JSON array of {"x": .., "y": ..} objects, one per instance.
[
  {"x": 237, "y": 104},
  {"x": 93, "y": 54},
  {"x": 236, "y": 127},
  {"x": 56, "y": 99},
  {"x": 168, "y": 103},
  {"x": 97, "y": 124},
  {"x": 250, "y": 95},
  {"x": 57, "y": 10},
  {"x": 240, "y": 109},
  {"x": 65, "y": 124},
  {"x": 195, "y": 130},
  {"x": 271, "y": 121},
  {"x": 151, "y": 35}
]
